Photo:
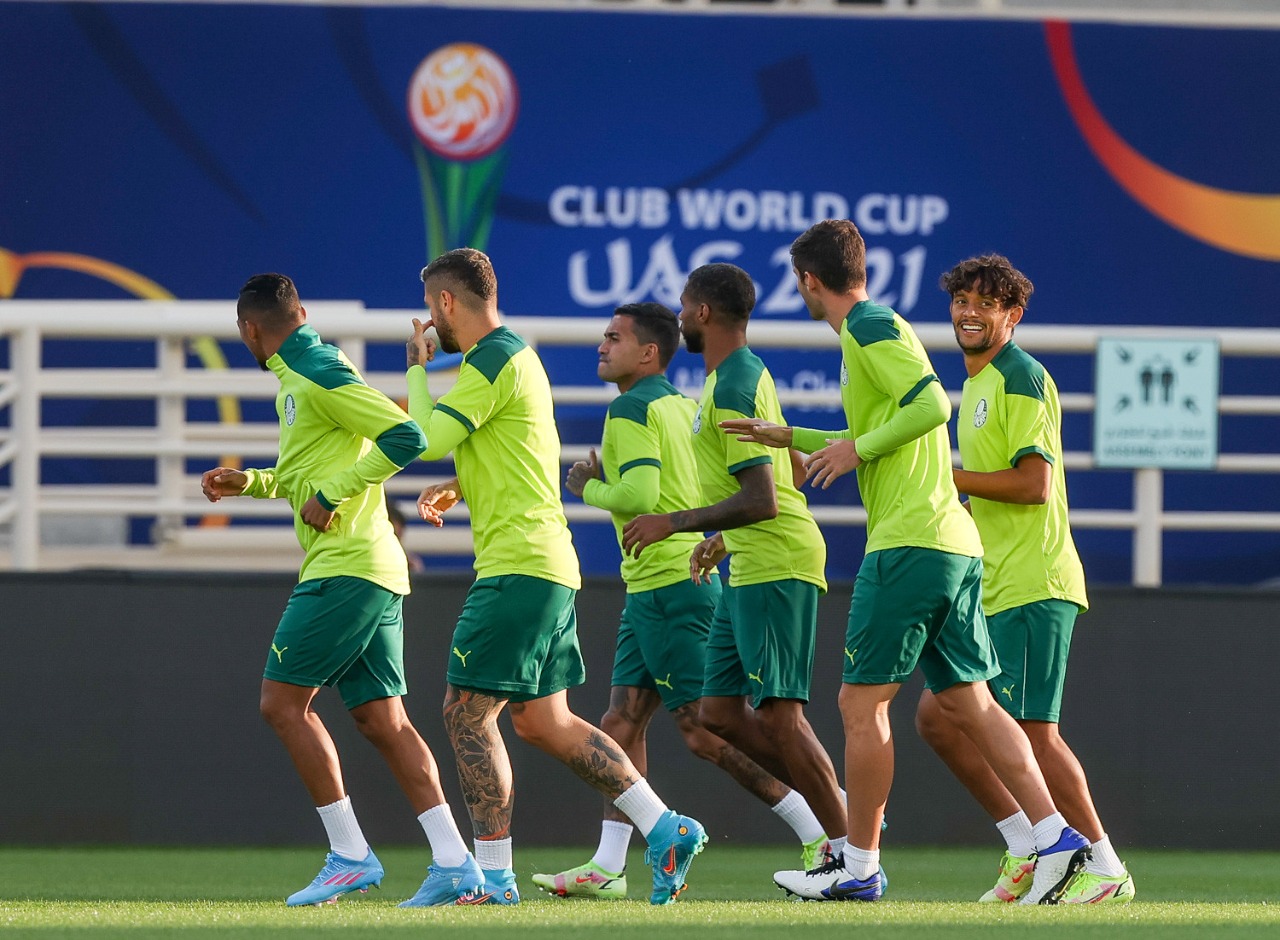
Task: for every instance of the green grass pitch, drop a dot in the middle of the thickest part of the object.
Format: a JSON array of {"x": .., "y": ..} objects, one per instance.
[{"x": 98, "y": 892}]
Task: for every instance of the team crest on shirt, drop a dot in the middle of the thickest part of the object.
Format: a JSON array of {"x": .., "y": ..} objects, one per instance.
[
  {"x": 844, "y": 373},
  {"x": 980, "y": 413},
  {"x": 697, "y": 421},
  {"x": 290, "y": 410}
]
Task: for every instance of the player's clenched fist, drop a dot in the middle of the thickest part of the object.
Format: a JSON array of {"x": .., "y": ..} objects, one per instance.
[
  {"x": 645, "y": 530},
  {"x": 223, "y": 481}
]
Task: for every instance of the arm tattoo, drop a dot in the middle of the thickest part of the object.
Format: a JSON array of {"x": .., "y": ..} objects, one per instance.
[
  {"x": 755, "y": 501},
  {"x": 484, "y": 770}
]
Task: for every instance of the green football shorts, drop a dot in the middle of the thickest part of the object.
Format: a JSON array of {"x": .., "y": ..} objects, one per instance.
[
  {"x": 516, "y": 639},
  {"x": 662, "y": 640},
  {"x": 1033, "y": 642},
  {"x": 345, "y": 632},
  {"x": 918, "y": 606},
  {"x": 762, "y": 641}
]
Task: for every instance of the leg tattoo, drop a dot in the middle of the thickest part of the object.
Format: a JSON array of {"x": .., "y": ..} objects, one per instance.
[
  {"x": 746, "y": 773},
  {"x": 484, "y": 769}
]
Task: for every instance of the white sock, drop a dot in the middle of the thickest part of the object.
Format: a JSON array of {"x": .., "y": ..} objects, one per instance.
[
  {"x": 447, "y": 847},
  {"x": 641, "y": 805},
  {"x": 861, "y": 863},
  {"x": 494, "y": 854},
  {"x": 1047, "y": 831},
  {"x": 795, "y": 812},
  {"x": 611, "y": 855},
  {"x": 345, "y": 837},
  {"x": 838, "y": 844},
  {"x": 1017, "y": 834},
  {"x": 1105, "y": 861}
]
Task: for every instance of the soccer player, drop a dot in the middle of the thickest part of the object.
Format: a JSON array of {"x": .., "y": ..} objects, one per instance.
[
  {"x": 917, "y": 599},
  {"x": 1010, "y": 431},
  {"x": 339, "y": 440},
  {"x": 646, "y": 464},
  {"x": 516, "y": 642},
  {"x": 760, "y": 651}
]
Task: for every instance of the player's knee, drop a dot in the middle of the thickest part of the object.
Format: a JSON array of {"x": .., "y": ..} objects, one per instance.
[
  {"x": 622, "y": 729},
  {"x": 378, "y": 728},
  {"x": 1043, "y": 735},
  {"x": 717, "y": 719},
  {"x": 782, "y": 722},
  {"x": 930, "y": 724},
  {"x": 529, "y": 730},
  {"x": 700, "y": 742}
]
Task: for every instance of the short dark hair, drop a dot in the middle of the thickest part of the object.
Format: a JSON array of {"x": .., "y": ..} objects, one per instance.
[
  {"x": 725, "y": 288},
  {"x": 832, "y": 251},
  {"x": 271, "y": 298},
  {"x": 466, "y": 268},
  {"x": 654, "y": 323},
  {"x": 992, "y": 276}
]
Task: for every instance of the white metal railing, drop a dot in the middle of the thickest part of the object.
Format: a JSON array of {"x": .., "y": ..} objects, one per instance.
[{"x": 175, "y": 496}]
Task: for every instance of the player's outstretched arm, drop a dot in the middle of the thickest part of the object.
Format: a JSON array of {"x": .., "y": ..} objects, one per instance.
[
  {"x": 755, "y": 501},
  {"x": 758, "y": 431}
]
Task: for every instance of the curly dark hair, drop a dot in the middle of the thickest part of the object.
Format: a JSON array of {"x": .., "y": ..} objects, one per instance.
[
  {"x": 725, "y": 288},
  {"x": 992, "y": 276}
]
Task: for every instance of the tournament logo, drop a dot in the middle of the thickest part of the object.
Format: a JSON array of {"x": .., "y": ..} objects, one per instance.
[
  {"x": 980, "y": 413},
  {"x": 290, "y": 410},
  {"x": 462, "y": 103}
]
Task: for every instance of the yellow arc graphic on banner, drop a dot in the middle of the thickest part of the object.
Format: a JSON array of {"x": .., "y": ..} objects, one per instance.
[
  {"x": 1243, "y": 223},
  {"x": 205, "y": 348}
]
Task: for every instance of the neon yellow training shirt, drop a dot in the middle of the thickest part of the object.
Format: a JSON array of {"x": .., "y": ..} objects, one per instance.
[
  {"x": 897, "y": 414},
  {"x": 789, "y": 546},
  {"x": 499, "y": 423},
  {"x": 339, "y": 440},
  {"x": 648, "y": 463},
  {"x": 1008, "y": 410}
]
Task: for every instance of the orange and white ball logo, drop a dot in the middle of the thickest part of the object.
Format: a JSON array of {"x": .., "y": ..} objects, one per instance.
[{"x": 462, "y": 101}]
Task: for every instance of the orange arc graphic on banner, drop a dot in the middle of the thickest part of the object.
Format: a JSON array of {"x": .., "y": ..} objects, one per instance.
[
  {"x": 12, "y": 267},
  {"x": 1243, "y": 223}
]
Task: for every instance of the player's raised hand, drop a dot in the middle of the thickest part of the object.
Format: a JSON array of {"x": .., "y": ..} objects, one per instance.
[
  {"x": 581, "y": 472},
  {"x": 832, "y": 462},
  {"x": 223, "y": 481},
  {"x": 315, "y": 515},
  {"x": 645, "y": 530},
  {"x": 758, "y": 431},
  {"x": 421, "y": 348},
  {"x": 437, "y": 499},
  {"x": 706, "y": 555}
]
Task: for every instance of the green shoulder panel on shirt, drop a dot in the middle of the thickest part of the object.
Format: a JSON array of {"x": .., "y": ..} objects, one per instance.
[
  {"x": 630, "y": 408},
  {"x": 738, "y": 379},
  {"x": 318, "y": 362},
  {"x": 871, "y": 323},
  {"x": 1022, "y": 374},
  {"x": 634, "y": 403},
  {"x": 491, "y": 354}
]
